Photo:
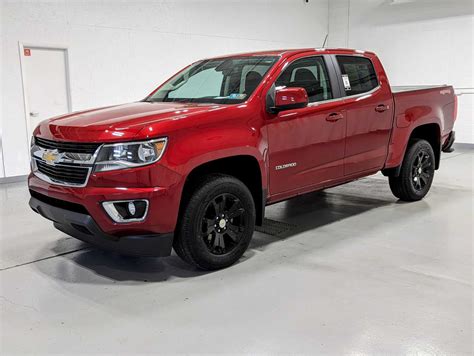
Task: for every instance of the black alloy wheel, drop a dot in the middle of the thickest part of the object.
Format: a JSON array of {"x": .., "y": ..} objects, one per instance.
[
  {"x": 216, "y": 223},
  {"x": 421, "y": 170},
  {"x": 223, "y": 223},
  {"x": 416, "y": 173}
]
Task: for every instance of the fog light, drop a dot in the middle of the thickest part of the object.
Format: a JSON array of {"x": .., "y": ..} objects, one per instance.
[
  {"x": 123, "y": 211},
  {"x": 131, "y": 208}
]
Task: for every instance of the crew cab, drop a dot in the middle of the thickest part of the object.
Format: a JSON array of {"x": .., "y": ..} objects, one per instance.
[{"x": 193, "y": 165}]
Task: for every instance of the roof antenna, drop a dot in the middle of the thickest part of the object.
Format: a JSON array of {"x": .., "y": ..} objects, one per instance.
[{"x": 325, "y": 39}]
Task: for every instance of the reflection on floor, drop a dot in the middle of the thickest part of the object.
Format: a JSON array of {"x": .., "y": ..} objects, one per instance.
[{"x": 352, "y": 270}]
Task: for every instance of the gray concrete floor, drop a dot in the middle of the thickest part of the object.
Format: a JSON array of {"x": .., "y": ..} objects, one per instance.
[{"x": 359, "y": 274}]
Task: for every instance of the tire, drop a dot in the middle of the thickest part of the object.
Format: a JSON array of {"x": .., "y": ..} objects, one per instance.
[
  {"x": 216, "y": 224},
  {"x": 416, "y": 174}
]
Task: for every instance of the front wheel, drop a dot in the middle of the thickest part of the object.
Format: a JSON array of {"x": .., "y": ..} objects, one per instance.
[
  {"x": 217, "y": 223},
  {"x": 416, "y": 174}
]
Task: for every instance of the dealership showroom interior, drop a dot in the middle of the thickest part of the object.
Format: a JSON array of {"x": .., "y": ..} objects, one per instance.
[{"x": 236, "y": 177}]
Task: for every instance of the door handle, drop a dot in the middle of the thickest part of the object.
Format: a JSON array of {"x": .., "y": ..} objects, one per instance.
[
  {"x": 335, "y": 116},
  {"x": 381, "y": 108},
  {"x": 34, "y": 114}
]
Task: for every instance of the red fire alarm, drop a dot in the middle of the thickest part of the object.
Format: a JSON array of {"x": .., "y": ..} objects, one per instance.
[{"x": 27, "y": 52}]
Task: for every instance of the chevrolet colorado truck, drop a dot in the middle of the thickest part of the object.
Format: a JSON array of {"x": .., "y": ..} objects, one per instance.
[{"x": 193, "y": 165}]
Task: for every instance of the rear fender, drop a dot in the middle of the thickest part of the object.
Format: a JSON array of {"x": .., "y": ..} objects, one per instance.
[{"x": 427, "y": 129}]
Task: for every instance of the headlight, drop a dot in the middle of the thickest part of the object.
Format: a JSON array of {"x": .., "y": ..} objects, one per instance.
[{"x": 129, "y": 154}]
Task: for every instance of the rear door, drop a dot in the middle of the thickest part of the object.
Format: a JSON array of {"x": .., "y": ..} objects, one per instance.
[
  {"x": 369, "y": 112},
  {"x": 306, "y": 145}
]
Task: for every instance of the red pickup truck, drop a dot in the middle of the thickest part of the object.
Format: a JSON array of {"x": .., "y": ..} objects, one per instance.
[{"x": 192, "y": 166}]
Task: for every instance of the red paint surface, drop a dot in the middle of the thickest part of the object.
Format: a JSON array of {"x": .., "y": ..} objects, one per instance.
[
  {"x": 291, "y": 96},
  {"x": 331, "y": 142}
]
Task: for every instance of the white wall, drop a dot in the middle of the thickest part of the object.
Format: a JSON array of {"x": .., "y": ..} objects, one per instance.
[
  {"x": 418, "y": 41},
  {"x": 121, "y": 50},
  {"x": 2, "y": 169}
]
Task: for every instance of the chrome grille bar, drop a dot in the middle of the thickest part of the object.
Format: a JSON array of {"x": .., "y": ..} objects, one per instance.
[{"x": 67, "y": 164}]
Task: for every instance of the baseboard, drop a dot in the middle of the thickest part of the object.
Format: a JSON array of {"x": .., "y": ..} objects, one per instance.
[
  {"x": 14, "y": 179},
  {"x": 468, "y": 146}
]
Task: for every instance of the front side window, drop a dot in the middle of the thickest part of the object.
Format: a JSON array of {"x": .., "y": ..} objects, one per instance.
[
  {"x": 221, "y": 81},
  {"x": 309, "y": 73},
  {"x": 358, "y": 74}
]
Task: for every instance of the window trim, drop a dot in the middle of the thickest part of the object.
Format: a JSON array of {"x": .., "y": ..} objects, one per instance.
[
  {"x": 333, "y": 80},
  {"x": 339, "y": 75},
  {"x": 337, "y": 86}
]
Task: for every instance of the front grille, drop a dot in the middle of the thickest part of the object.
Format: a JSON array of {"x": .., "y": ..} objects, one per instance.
[
  {"x": 68, "y": 174},
  {"x": 75, "y": 147}
]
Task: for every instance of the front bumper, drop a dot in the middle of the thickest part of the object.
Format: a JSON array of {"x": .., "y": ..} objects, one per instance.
[
  {"x": 83, "y": 227},
  {"x": 163, "y": 200}
]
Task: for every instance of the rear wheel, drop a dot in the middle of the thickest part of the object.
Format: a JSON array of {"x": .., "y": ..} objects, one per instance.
[
  {"x": 217, "y": 223},
  {"x": 416, "y": 174}
]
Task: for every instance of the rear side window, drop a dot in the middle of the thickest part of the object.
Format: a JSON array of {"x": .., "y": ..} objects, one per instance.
[
  {"x": 308, "y": 73},
  {"x": 358, "y": 74}
]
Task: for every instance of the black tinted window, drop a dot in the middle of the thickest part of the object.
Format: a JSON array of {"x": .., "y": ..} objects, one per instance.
[
  {"x": 308, "y": 73},
  {"x": 358, "y": 74}
]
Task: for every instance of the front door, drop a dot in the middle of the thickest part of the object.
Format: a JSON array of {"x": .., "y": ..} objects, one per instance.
[
  {"x": 45, "y": 82},
  {"x": 306, "y": 145}
]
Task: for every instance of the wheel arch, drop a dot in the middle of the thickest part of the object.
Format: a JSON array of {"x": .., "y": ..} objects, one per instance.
[
  {"x": 430, "y": 132},
  {"x": 244, "y": 167}
]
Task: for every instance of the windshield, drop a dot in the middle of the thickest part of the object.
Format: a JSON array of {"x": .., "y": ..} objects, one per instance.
[{"x": 222, "y": 81}]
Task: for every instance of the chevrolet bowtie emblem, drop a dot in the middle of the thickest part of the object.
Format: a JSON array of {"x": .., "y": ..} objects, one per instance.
[{"x": 51, "y": 157}]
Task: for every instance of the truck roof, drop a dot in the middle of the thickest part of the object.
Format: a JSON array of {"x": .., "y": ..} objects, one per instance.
[{"x": 290, "y": 52}]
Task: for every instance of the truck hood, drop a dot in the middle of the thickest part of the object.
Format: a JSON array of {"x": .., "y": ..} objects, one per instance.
[{"x": 117, "y": 123}]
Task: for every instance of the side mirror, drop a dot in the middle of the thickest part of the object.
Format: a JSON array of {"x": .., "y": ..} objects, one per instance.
[{"x": 289, "y": 98}]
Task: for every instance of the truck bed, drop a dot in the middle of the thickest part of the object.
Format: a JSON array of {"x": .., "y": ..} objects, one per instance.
[
  {"x": 425, "y": 103},
  {"x": 420, "y": 105}
]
